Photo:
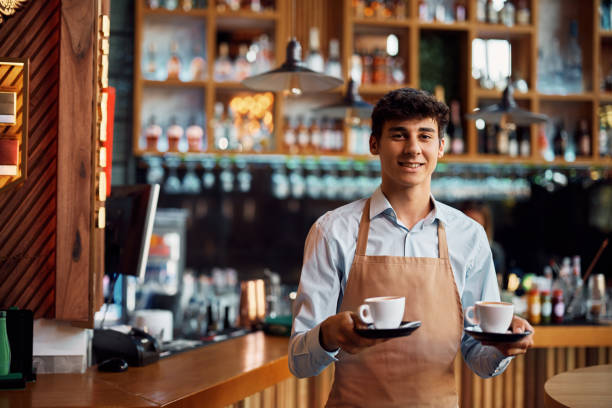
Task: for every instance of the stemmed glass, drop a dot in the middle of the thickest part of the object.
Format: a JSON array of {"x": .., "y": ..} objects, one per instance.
[{"x": 173, "y": 183}]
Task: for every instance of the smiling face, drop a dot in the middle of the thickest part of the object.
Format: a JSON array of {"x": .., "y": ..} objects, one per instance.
[{"x": 409, "y": 150}]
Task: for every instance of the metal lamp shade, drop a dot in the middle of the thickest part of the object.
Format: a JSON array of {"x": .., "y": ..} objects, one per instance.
[
  {"x": 351, "y": 103},
  {"x": 507, "y": 111},
  {"x": 292, "y": 75}
]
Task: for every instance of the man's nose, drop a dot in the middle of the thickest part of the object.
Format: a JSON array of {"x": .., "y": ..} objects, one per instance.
[{"x": 411, "y": 145}]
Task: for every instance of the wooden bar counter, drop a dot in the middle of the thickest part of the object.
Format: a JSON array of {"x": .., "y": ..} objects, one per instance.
[{"x": 254, "y": 368}]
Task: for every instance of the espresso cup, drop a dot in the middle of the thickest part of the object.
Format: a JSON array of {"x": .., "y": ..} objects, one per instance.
[
  {"x": 385, "y": 312},
  {"x": 492, "y": 317}
]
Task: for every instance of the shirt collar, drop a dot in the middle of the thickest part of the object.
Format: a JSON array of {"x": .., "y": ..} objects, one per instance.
[{"x": 380, "y": 205}]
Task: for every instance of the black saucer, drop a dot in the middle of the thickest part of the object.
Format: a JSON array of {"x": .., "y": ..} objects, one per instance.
[
  {"x": 405, "y": 329},
  {"x": 495, "y": 337}
]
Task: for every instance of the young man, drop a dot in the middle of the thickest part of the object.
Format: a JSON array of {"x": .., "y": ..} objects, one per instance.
[{"x": 401, "y": 242}]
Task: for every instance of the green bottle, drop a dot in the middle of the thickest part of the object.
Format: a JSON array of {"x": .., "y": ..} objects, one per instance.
[{"x": 5, "y": 349}]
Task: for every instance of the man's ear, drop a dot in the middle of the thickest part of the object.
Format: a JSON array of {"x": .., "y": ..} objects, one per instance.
[
  {"x": 373, "y": 145},
  {"x": 441, "y": 148}
]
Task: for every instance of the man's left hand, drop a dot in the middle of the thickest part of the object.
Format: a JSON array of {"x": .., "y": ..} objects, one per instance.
[{"x": 519, "y": 325}]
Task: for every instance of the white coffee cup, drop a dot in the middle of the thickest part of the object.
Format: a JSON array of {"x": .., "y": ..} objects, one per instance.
[
  {"x": 385, "y": 312},
  {"x": 156, "y": 322},
  {"x": 492, "y": 317}
]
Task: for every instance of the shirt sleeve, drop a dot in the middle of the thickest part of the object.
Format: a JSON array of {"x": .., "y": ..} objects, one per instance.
[
  {"x": 481, "y": 284},
  {"x": 317, "y": 298}
]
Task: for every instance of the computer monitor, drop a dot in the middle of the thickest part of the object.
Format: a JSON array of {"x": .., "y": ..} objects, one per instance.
[{"x": 130, "y": 213}]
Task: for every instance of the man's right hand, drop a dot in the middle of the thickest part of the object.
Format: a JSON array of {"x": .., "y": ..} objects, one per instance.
[{"x": 337, "y": 331}]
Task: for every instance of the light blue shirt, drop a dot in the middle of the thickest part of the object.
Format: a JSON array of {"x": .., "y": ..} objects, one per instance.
[{"x": 328, "y": 256}]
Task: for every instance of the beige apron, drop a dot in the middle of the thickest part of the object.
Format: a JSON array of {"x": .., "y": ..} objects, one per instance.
[{"x": 411, "y": 371}]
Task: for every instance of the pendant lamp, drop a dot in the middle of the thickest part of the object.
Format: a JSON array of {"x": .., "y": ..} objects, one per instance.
[
  {"x": 351, "y": 104},
  {"x": 292, "y": 78},
  {"x": 507, "y": 111}
]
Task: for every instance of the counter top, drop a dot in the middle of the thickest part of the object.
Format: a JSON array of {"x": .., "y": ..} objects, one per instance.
[{"x": 215, "y": 375}]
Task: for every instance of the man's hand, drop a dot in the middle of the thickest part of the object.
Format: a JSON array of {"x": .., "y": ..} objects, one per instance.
[
  {"x": 519, "y": 325},
  {"x": 337, "y": 331}
]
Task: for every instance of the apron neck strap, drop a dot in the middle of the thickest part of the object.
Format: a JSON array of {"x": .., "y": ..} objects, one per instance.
[
  {"x": 442, "y": 245},
  {"x": 364, "y": 229}
]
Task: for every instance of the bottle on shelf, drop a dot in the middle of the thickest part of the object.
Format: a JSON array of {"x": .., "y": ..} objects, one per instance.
[
  {"x": 5, "y": 348},
  {"x": 223, "y": 69},
  {"x": 424, "y": 12},
  {"x": 502, "y": 140},
  {"x": 150, "y": 67},
  {"x": 153, "y": 133},
  {"x": 359, "y": 8},
  {"x": 523, "y": 15},
  {"x": 460, "y": 11},
  {"x": 197, "y": 68},
  {"x": 195, "y": 137},
  {"x": 456, "y": 129},
  {"x": 220, "y": 134},
  {"x": 583, "y": 138},
  {"x": 546, "y": 307},
  {"x": 303, "y": 137},
  {"x": 604, "y": 131},
  {"x": 534, "y": 307},
  {"x": 573, "y": 62},
  {"x": 174, "y": 63},
  {"x": 333, "y": 67},
  {"x": 186, "y": 5},
  {"x": 152, "y": 4},
  {"x": 524, "y": 141},
  {"x": 558, "y": 306},
  {"x": 492, "y": 14},
  {"x": 356, "y": 68},
  {"x": 513, "y": 143},
  {"x": 242, "y": 67},
  {"x": 174, "y": 134},
  {"x": 315, "y": 136},
  {"x": 289, "y": 137},
  {"x": 507, "y": 14},
  {"x": 170, "y": 4},
  {"x": 399, "y": 9},
  {"x": 481, "y": 11},
  {"x": 379, "y": 67},
  {"x": 367, "y": 68},
  {"x": 559, "y": 140},
  {"x": 314, "y": 60},
  {"x": 576, "y": 304}
]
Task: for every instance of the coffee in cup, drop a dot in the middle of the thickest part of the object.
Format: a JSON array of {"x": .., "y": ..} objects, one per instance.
[
  {"x": 385, "y": 312},
  {"x": 492, "y": 317}
]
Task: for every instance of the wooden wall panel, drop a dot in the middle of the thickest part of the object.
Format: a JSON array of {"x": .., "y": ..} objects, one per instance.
[
  {"x": 521, "y": 385},
  {"x": 28, "y": 212}
]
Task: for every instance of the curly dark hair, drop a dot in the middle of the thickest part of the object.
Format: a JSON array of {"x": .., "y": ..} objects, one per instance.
[{"x": 408, "y": 103}]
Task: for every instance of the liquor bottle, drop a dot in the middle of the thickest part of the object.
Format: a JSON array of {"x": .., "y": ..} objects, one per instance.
[
  {"x": 367, "y": 68},
  {"x": 524, "y": 142},
  {"x": 152, "y": 134},
  {"x": 333, "y": 67},
  {"x": 256, "y": 6},
  {"x": 221, "y": 142},
  {"x": 492, "y": 15},
  {"x": 174, "y": 134},
  {"x": 456, "y": 130},
  {"x": 507, "y": 14},
  {"x": 356, "y": 68},
  {"x": 170, "y": 4},
  {"x": 315, "y": 136},
  {"x": 153, "y": 4},
  {"x": 186, "y": 5},
  {"x": 559, "y": 141},
  {"x": 174, "y": 63},
  {"x": 289, "y": 137},
  {"x": 460, "y": 13},
  {"x": 604, "y": 127},
  {"x": 502, "y": 140},
  {"x": 314, "y": 60},
  {"x": 303, "y": 137},
  {"x": 358, "y": 8},
  {"x": 481, "y": 11},
  {"x": 5, "y": 348},
  {"x": 195, "y": 137},
  {"x": 197, "y": 68},
  {"x": 523, "y": 15},
  {"x": 583, "y": 138},
  {"x": 150, "y": 63},
  {"x": 399, "y": 11},
  {"x": 573, "y": 62},
  {"x": 223, "y": 65},
  {"x": 242, "y": 67},
  {"x": 513, "y": 143},
  {"x": 423, "y": 8},
  {"x": 379, "y": 71}
]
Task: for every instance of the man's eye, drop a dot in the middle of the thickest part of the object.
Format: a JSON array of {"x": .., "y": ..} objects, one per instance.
[
  {"x": 425, "y": 136},
  {"x": 397, "y": 136}
]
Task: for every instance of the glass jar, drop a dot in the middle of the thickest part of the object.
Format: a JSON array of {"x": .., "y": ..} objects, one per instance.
[
  {"x": 534, "y": 307},
  {"x": 558, "y": 306},
  {"x": 546, "y": 300}
]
